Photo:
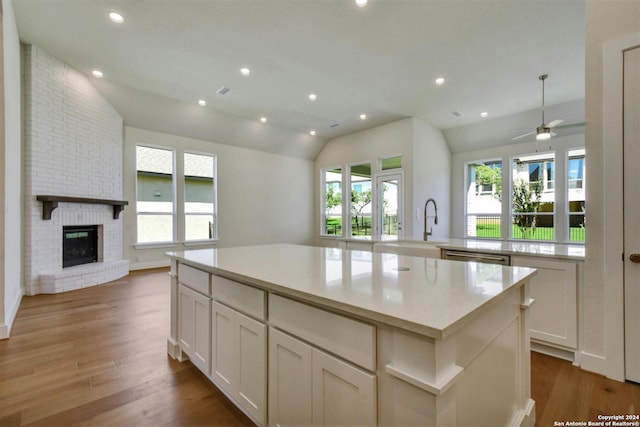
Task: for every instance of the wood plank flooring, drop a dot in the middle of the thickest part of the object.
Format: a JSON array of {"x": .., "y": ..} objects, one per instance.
[{"x": 97, "y": 357}]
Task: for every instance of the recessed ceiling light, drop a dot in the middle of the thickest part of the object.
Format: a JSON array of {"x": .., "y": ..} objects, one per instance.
[
  {"x": 440, "y": 81},
  {"x": 312, "y": 97},
  {"x": 245, "y": 71},
  {"x": 312, "y": 133},
  {"x": 97, "y": 73},
  {"x": 202, "y": 102},
  {"x": 484, "y": 114},
  {"x": 263, "y": 120},
  {"x": 362, "y": 3},
  {"x": 116, "y": 17},
  {"x": 363, "y": 117}
]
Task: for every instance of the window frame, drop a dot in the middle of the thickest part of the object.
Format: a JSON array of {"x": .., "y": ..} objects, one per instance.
[
  {"x": 173, "y": 213},
  {"x": 347, "y": 210},
  {"x": 466, "y": 183},
  {"x": 561, "y": 212},
  {"x": 323, "y": 201},
  {"x": 542, "y": 173},
  {"x": 214, "y": 237}
]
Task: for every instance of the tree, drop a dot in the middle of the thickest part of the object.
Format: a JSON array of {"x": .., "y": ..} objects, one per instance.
[
  {"x": 526, "y": 200},
  {"x": 358, "y": 201},
  {"x": 332, "y": 199},
  {"x": 486, "y": 175}
]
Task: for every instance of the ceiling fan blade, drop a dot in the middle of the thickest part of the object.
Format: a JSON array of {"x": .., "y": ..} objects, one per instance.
[
  {"x": 571, "y": 125},
  {"x": 555, "y": 123},
  {"x": 523, "y": 135}
]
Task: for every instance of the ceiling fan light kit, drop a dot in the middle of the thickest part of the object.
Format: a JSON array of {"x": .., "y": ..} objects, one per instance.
[{"x": 543, "y": 133}]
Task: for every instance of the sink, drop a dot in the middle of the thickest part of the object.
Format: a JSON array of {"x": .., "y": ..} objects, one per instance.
[{"x": 410, "y": 248}]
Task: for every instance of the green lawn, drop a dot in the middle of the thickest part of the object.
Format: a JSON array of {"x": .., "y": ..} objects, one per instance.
[{"x": 576, "y": 234}]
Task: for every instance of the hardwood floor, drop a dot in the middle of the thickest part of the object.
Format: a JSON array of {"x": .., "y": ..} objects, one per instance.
[{"x": 97, "y": 357}]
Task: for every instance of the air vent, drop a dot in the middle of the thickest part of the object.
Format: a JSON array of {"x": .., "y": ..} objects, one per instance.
[
  {"x": 223, "y": 90},
  {"x": 335, "y": 125},
  {"x": 456, "y": 113}
]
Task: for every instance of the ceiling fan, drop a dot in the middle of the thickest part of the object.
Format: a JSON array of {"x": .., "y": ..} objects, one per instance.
[{"x": 543, "y": 132}]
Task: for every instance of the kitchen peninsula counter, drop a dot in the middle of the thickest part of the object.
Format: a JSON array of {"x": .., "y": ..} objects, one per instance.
[{"x": 417, "y": 340}]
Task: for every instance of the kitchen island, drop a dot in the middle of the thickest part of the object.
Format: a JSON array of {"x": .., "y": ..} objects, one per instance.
[{"x": 301, "y": 335}]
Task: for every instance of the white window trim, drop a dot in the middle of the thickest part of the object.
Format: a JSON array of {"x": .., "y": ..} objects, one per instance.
[
  {"x": 173, "y": 189},
  {"x": 561, "y": 203},
  {"x": 214, "y": 238}
]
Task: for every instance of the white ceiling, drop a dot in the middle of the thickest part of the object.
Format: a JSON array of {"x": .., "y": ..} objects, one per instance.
[{"x": 380, "y": 60}]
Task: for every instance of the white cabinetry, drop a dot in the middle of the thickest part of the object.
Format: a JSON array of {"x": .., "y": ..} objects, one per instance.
[
  {"x": 289, "y": 381},
  {"x": 554, "y": 314},
  {"x": 194, "y": 321},
  {"x": 238, "y": 358},
  {"x": 309, "y": 387},
  {"x": 239, "y": 346}
]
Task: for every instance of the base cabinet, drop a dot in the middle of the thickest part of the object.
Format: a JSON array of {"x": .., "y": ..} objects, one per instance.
[
  {"x": 194, "y": 321},
  {"x": 309, "y": 387},
  {"x": 554, "y": 314},
  {"x": 238, "y": 358}
]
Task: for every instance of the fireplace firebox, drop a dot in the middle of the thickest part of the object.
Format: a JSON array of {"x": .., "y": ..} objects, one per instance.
[{"x": 79, "y": 245}]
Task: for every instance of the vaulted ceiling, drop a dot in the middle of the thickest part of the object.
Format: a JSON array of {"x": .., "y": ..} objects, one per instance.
[{"x": 380, "y": 60}]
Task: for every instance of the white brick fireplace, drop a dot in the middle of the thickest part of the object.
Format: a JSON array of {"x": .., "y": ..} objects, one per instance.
[{"x": 73, "y": 147}]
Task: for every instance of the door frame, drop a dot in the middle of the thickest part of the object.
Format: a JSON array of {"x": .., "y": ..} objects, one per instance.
[
  {"x": 613, "y": 365},
  {"x": 378, "y": 212}
]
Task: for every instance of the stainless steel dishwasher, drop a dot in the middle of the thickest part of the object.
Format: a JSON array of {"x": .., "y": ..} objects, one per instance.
[{"x": 477, "y": 257}]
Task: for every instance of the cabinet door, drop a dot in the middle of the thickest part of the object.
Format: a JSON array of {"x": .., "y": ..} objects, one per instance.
[
  {"x": 252, "y": 369},
  {"x": 342, "y": 394},
  {"x": 553, "y": 315},
  {"x": 289, "y": 381},
  {"x": 202, "y": 334},
  {"x": 194, "y": 332},
  {"x": 224, "y": 364},
  {"x": 187, "y": 319}
]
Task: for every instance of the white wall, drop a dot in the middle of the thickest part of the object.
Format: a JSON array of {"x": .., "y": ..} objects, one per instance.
[
  {"x": 73, "y": 147},
  {"x": 425, "y": 163},
  {"x": 431, "y": 179},
  {"x": 262, "y": 198},
  {"x": 606, "y": 20},
  {"x": 12, "y": 203}
]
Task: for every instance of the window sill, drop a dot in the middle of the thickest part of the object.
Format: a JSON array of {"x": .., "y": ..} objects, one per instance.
[
  {"x": 159, "y": 245},
  {"x": 201, "y": 242}
]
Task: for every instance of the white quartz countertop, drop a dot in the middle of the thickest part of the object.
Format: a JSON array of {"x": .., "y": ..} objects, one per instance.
[
  {"x": 429, "y": 296},
  {"x": 540, "y": 249}
]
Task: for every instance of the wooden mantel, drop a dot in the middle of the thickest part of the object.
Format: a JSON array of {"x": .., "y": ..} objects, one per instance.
[{"x": 49, "y": 203}]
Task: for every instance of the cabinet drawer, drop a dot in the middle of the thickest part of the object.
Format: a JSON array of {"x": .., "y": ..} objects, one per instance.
[
  {"x": 351, "y": 339},
  {"x": 241, "y": 297},
  {"x": 194, "y": 278}
]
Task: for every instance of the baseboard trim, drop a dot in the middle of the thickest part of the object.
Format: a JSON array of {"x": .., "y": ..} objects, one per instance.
[
  {"x": 149, "y": 264},
  {"x": 593, "y": 363},
  {"x": 10, "y": 316}
]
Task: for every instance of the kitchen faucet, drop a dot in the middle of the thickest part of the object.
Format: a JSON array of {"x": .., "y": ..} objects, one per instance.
[{"x": 426, "y": 233}]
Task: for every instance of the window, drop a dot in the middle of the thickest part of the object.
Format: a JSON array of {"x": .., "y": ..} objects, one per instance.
[
  {"x": 361, "y": 198},
  {"x": 199, "y": 197},
  {"x": 391, "y": 163},
  {"x": 533, "y": 197},
  {"x": 155, "y": 206},
  {"x": 332, "y": 202},
  {"x": 576, "y": 194},
  {"x": 372, "y": 207},
  {"x": 484, "y": 199}
]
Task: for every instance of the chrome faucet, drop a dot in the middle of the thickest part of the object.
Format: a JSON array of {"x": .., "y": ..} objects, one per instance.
[{"x": 426, "y": 233}]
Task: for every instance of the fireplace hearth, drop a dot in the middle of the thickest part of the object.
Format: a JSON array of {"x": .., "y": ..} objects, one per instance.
[{"x": 79, "y": 245}]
